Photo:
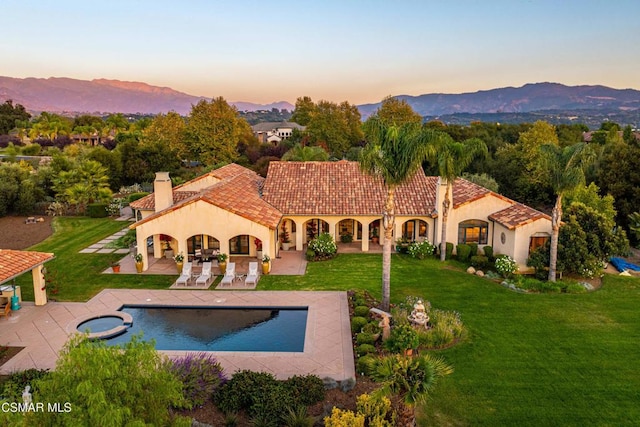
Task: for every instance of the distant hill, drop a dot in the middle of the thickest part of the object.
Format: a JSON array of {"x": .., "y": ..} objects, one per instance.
[
  {"x": 528, "y": 98},
  {"x": 59, "y": 94}
]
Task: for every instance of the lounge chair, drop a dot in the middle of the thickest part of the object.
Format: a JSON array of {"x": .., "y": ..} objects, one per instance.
[
  {"x": 252, "y": 276},
  {"x": 205, "y": 276},
  {"x": 185, "y": 276},
  {"x": 5, "y": 310},
  {"x": 230, "y": 274}
]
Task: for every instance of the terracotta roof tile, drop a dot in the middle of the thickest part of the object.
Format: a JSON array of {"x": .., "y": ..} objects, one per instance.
[
  {"x": 517, "y": 215},
  {"x": 148, "y": 202},
  {"x": 14, "y": 263},
  {"x": 341, "y": 188}
]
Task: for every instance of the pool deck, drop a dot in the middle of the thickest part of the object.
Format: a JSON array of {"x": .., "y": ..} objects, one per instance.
[{"x": 328, "y": 350}]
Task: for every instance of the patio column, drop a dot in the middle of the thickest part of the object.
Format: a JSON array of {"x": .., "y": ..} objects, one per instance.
[
  {"x": 157, "y": 246},
  {"x": 39, "y": 294},
  {"x": 333, "y": 229},
  {"x": 300, "y": 232},
  {"x": 365, "y": 237}
]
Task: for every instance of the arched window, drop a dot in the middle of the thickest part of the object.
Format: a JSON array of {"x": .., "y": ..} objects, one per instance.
[{"x": 473, "y": 231}]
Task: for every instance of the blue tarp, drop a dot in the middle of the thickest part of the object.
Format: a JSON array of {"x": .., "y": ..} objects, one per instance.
[{"x": 623, "y": 265}]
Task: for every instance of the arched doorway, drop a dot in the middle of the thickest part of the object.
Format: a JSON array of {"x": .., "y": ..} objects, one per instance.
[
  {"x": 314, "y": 227},
  {"x": 415, "y": 230}
]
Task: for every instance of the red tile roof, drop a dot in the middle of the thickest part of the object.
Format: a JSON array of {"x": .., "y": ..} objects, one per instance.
[
  {"x": 239, "y": 193},
  {"x": 148, "y": 202},
  {"x": 517, "y": 215},
  {"x": 341, "y": 188},
  {"x": 14, "y": 263}
]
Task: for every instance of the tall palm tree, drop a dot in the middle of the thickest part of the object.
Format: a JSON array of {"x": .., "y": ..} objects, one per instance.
[
  {"x": 566, "y": 168},
  {"x": 451, "y": 158},
  {"x": 304, "y": 153},
  {"x": 393, "y": 153}
]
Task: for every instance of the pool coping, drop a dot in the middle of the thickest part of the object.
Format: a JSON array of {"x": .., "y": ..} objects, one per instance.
[{"x": 328, "y": 349}]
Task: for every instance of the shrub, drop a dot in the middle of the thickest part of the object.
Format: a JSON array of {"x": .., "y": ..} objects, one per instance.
[
  {"x": 488, "y": 252},
  {"x": 463, "y": 252},
  {"x": 357, "y": 323},
  {"x": 323, "y": 246},
  {"x": 361, "y": 310},
  {"x": 346, "y": 238},
  {"x": 376, "y": 410},
  {"x": 365, "y": 338},
  {"x": 506, "y": 266},
  {"x": 479, "y": 261},
  {"x": 310, "y": 255},
  {"x": 238, "y": 392},
  {"x": 366, "y": 364},
  {"x": 421, "y": 250},
  {"x": 449, "y": 250},
  {"x": 372, "y": 328},
  {"x": 363, "y": 349},
  {"x": 135, "y": 196},
  {"x": 17, "y": 381},
  {"x": 340, "y": 418},
  {"x": 201, "y": 375},
  {"x": 403, "y": 337},
  {"x": 97, "y": 210},
  {"x": 308, "y": 389},
  {"x": 297, "y": 417},
  {"x": 474, "y": 248},
  {"x": 108, "y": 383}
]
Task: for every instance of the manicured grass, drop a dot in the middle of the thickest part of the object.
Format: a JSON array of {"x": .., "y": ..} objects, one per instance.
[
  {"x": 529, "y": 359},
  {"x": 78, "y": 276}
]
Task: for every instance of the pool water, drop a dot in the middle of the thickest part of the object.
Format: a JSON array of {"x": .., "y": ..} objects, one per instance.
[
  {"x": 100, "y": 324},
  {"x": 218, "y": 328}
]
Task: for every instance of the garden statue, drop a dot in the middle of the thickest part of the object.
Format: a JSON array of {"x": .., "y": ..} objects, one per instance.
[
  {"x": 26, "y": 395},
  {"x": 386, "y": 327},
  {"x": 418, "y": 316}
]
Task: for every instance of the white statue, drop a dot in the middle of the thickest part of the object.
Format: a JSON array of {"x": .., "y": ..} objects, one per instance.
[
  {"x": 26, "y": 396},
  {"x": 418, "y": 316}
]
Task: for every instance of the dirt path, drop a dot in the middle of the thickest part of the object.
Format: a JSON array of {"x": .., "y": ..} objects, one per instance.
[{"x": 16, "y": 234}]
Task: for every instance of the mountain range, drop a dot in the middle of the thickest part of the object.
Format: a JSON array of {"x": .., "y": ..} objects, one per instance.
[{"x": 59, "y": 94}]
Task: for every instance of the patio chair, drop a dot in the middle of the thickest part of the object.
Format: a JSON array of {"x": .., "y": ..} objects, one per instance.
[
  {"x": 5, "y": 310},
  {"x": 185, "y": 276},
  {"x": 252, "y": 276},
  {"x": 205, "y": 276},
  {"x": 230, "y": 274}
]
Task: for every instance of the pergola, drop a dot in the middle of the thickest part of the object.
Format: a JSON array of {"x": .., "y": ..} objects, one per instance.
[{"x": 15, "y": 263}]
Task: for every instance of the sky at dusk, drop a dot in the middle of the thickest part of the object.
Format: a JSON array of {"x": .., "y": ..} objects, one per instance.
[{"x": 359, "y": 51}]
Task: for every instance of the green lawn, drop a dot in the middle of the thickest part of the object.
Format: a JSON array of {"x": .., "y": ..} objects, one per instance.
[{"x": 530, "y": 359}]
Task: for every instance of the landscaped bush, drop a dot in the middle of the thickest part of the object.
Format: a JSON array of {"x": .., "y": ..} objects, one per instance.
[
  {"x": 364, "y": 349},
  {"x": 346, "y": 238},
  {"x": 357, "y": 323},
  {"x": 17, "y": 381},
  {"x": 449, "y": 250},
  {"x": 421, "y": 250},
  {"x": 340, "y": 418},
  {"x": 365, "y": 338},
  {"x": 403, "y": 337},
  {"x": 488, "y": 252},
  {"x": 365, "y": 364},
  {"x": 135, "y": 196},
  {"x": 97, "y": 210},
  {"x": 265, "y": 398},
  {"x": 113, "y": 209},
  {"x": 361, "y": 310},
  {"x": 323, "y": 246},
  {"x": 310, "y": 255},
  {"x": 446, "y": 327},
  {"x": 506, "y": 266},
  {"x": 372, "y": 328},
  {"x": 479, "y": 261},
  {"x": 376, "y": 410},
  {"x": 474, "y": 248},
  {"x": 463, "y": 252},
  {"x": 200, "y": 374}
]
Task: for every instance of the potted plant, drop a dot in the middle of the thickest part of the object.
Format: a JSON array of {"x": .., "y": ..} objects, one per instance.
[
  {"x": 258, "y": 244},
  {"x": 179, "y": 259},
  {"x": 286, "y": 241},
  {"x": 139, "y": 263},
  {"x": 115, "y": 266},
  {"x": 266, "y": 260},
  {"x": 374, "y": 235},
  {"x": 222, "y": 262}
]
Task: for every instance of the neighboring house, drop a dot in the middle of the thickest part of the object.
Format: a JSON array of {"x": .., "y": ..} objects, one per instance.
[
  {"x": 231, "y": 207},
  {"x": 274, "y": 132}
]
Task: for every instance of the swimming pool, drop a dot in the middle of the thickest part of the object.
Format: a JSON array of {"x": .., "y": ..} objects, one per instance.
[{"x": 259, "y": 329}]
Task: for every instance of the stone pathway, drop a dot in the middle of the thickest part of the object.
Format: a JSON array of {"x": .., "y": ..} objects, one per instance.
[{"x": 100, "y": 247}]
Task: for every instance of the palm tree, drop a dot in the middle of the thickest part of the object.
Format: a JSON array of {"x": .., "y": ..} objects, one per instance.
[
  {"x": 566, "y": 171},
  {"x": 304, "y": 153},
  {"x": 394, "y": 154},
  {"x": 451, "y": 158}
]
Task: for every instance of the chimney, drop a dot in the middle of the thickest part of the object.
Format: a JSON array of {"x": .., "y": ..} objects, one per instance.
[{"x": 162, "y": 191}]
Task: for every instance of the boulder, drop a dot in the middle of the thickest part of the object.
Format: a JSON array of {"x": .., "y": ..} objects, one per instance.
[
  {"x": 471, "y": 270},
  {"x": 480, "y": 273}
]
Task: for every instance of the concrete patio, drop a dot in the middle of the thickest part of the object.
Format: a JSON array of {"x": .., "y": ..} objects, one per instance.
[{"x": 328, "y": 350}]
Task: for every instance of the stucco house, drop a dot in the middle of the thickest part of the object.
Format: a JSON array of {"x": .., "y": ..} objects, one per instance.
[
  {"x": 274, "y": 132},
  {"x": 234, "y": 210}
]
